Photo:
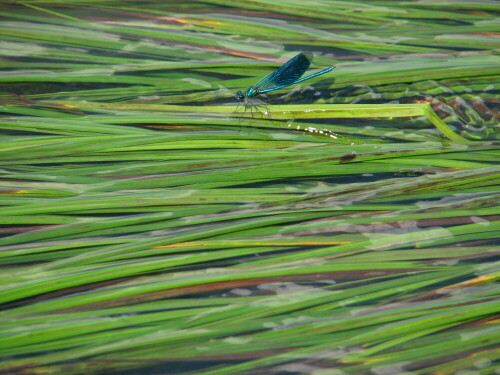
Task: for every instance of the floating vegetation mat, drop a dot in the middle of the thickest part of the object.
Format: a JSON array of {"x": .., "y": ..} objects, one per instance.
[{"x": 150, "y": 225}]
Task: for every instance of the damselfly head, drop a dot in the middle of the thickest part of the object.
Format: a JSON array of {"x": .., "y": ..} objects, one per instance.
[{"x": 240, "y": 96}]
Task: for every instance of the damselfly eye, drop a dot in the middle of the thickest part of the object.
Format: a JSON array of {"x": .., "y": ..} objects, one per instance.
[{"x": 240, "y": 95}]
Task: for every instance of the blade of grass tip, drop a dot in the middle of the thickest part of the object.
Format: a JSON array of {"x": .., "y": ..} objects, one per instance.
[{"x": 443, "y": 128}]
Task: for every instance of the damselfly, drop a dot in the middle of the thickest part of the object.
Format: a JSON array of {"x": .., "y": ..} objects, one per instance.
[{"x": 286, "y": 75}]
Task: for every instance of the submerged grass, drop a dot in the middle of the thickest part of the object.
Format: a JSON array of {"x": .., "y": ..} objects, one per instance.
[{"x": 148, "y": 226}]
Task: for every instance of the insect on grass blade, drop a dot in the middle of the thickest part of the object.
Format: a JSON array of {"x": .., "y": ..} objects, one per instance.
[{"x": 286, "y": 75}]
